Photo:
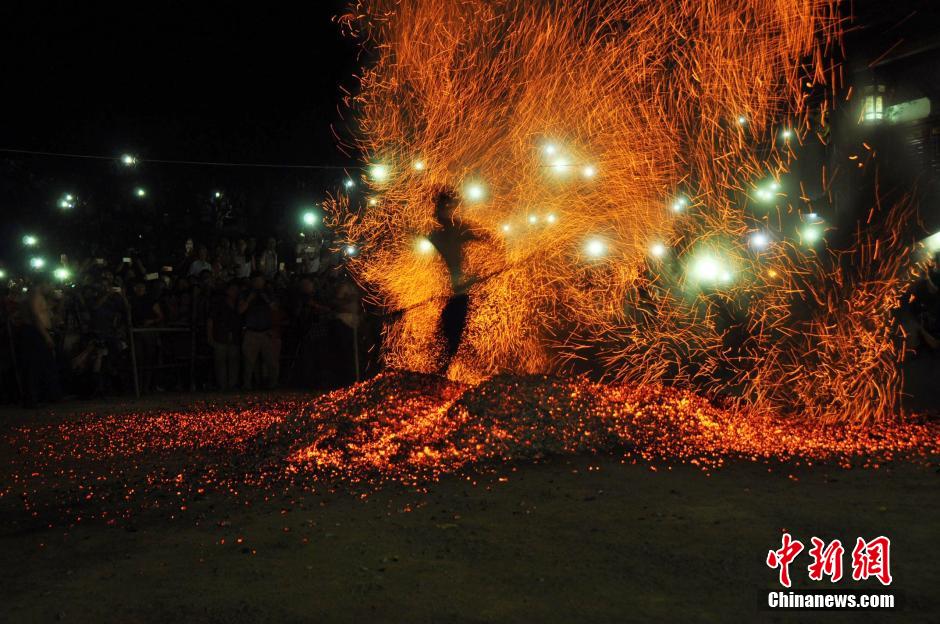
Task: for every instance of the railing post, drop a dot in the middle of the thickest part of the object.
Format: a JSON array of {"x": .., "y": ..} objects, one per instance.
[
  {"x": 130, "y": 334},
  {"x": 192, "y": 341}
]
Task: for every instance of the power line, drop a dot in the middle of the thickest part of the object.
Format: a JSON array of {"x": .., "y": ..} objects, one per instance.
[
  {"x": 164, "y": 161},
  {"x": 206, "y": 163}
]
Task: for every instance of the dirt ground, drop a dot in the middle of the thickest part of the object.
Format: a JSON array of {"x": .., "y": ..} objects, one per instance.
[{"x": 580, "y": 539}]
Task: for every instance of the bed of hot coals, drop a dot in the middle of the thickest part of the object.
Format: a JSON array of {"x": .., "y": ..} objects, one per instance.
[{"x": 401, "y": 427}]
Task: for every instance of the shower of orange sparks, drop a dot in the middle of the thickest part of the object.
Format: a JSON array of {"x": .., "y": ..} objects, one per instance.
[{"x": 572, "y": 130}]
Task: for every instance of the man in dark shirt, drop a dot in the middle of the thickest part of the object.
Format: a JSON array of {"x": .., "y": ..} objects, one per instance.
[
  {"x": 450, "y": 239},
  {"x": 258, "y": 339},
  {"x": 223, "y": 333},
  {"x": 145, "y": 312},
  {"x": 37, "y": 348}
]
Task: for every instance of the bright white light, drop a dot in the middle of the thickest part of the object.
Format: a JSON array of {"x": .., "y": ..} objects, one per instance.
[
  {"x": 61, "y": 273},
  {"x": 786, "y": 133},
  {"x": 706, "y": 269},
  {"x": 742, "y": 120},
  {"x": 30, "y": 241},
  {"x": 351, "y": 250},
  {"x": 218, "y": 194},
  {"x": 418, "y": 165},
  {"x": 533, "y": 219},
  {"x": 3, "y": 274},
  {"x": 811, "y": 234},
  {"x": 759, "y": 240},
  {"x": 37, "y": 262},
  {"x": 475, "y": 192},
  {"x": 658, "y": 250},
  {"x": 349, "y": 183},
  {"x": 425, "y": 246},
  {"x": 373, "y": 201},
  {"x": 379, "y": 172},
  {"x": 550, "y": 149},
  {"x": 67, "y": 201},
  {"x": 764, "y": 194},
  {"x": 310, "y": 218},
  {"x": 596, "y": 247},
  {"x": 551, "y": 218},
  {"x": 589, "y": 172},
  {"x": 680, "y": 204},
  {"x": 561, "y": 165},
  {"x": 932, "y": 243},
  {"x": 775, "y": 186},
  {"x": 128, "y": 160},
  {"x": 140, "y": 192},
  {"x": 507, "y": 228}
]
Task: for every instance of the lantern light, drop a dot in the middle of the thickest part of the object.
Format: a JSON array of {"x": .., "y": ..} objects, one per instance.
[
  {"x": 811, "y": 234},
  {"x": 475, "y": 192},
  {"x": 425, "y": 246},
  {"x": 379, "y": 172},
  {"x": 596, "y": 248},
  {"x": 310, "y": 217}
]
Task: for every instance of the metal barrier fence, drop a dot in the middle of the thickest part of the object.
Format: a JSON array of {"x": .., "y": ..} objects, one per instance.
[{"x": 188, "y": 363}]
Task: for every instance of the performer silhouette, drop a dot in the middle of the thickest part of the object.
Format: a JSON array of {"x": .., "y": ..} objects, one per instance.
[{"x": 450, "y": 238}]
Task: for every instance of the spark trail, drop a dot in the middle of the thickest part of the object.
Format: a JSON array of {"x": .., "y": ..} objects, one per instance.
[{"x": 616, "y": 158}]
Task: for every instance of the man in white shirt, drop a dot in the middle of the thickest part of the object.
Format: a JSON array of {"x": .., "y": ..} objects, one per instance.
[{"x": 201, "y": 263}]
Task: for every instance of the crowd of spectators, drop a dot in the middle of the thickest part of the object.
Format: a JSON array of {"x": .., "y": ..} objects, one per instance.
[{"x": 231, "y": 315}]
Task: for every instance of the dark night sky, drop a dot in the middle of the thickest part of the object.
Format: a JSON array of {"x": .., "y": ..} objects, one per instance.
[
  {"x": 200, "y": 80},
  {"x": 245, "y": 82}
]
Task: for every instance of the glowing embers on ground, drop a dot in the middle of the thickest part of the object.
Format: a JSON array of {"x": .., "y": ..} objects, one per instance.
[
  {"x": 409, "y": 426},
  {"x": 405, "y": 427},
  {"x": 127, "y": 435}
]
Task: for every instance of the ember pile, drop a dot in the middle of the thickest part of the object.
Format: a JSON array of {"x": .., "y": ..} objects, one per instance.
[{"x": 410, "y": 428}]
